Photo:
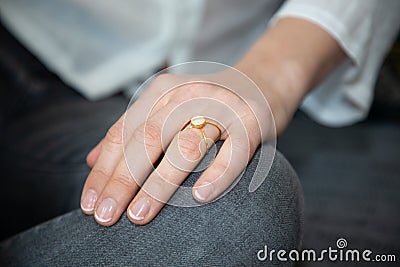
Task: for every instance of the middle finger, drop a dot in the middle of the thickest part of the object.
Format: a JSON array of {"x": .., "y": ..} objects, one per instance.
[{"x": 182, "y": 156}]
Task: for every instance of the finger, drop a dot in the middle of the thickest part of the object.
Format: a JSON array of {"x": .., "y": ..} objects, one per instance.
[
  {"x": 93, "y": 155},
  {"x": 122, "y": 185},
  {"x": 182, "y": 156},
  {"x": 142, "y": 151},
  {"x": 231, "y": 160},
  {"x": 111, "y": 152}
]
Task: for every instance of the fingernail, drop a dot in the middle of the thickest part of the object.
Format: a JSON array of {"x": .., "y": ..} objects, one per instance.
[
  {"x": 203, "y": 191},
  {"x": 106, "y": 210},
  {"x": 89, "y": 200},
  {"x": 140, "y": 209}
]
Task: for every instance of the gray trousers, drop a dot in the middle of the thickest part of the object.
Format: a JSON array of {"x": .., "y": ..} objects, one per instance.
[{"x": 228, "y": 232}]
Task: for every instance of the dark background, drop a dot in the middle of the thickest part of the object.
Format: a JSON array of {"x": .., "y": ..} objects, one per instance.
[{"x": 351, "y": 175}]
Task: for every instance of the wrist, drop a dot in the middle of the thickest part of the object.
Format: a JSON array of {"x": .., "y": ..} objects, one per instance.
[
  {"x": 290, "y": 59},
  {"x": 283, "y": 84}
]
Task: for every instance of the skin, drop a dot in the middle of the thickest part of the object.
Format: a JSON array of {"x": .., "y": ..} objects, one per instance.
[{"x": 288, "y": 61}]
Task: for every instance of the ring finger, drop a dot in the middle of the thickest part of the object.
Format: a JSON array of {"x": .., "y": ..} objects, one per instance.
[{"x": 182, "y": 156}]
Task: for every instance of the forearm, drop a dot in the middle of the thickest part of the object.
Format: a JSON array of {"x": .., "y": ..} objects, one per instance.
[{"x": 288, "y": 61}]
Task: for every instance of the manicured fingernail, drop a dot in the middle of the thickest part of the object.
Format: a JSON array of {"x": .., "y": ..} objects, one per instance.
[
  {"x": 105, "y": 210},
  {"x": 203, "y": 191},
  {"x": 140, "y": 209},
  {"x": 89, "y": 200}
]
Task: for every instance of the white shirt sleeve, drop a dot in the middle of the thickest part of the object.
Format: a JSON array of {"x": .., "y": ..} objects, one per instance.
[{"x": 365, "y": 29}]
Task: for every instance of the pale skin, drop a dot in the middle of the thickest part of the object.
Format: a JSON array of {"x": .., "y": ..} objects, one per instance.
[{"x": 286, "y": 63}]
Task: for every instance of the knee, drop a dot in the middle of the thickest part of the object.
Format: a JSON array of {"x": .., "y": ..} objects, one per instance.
[
  {"x": 271, "y": 216},
  {"x": 278, "y": 206}
]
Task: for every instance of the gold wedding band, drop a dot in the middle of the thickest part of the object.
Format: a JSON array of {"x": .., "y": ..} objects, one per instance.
[{"x": 199, "y": 122}]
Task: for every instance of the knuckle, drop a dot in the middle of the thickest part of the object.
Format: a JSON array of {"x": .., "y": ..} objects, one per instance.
[
  {"x": 226, "y": 95},
  {"x": 195, "y": 88},
  {"x": 149, "y": 135},
  {"x": 123, "y": 181},
  {"x": 189, "y": 145},
  {"x": 156, "y": 189},
  {"x": 191, "y": 90},
  {"x": 101, "y": 172},
  {"x": 164, "y": 178},
  {"x": 202, "y": 89},
  {"x": 162, "y": 82},
  {"x": 114, "y": 134},
  {"x": 162, "y": 175}
]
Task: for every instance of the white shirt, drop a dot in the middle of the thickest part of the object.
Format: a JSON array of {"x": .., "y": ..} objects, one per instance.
[{"x": 101, "y": 47}]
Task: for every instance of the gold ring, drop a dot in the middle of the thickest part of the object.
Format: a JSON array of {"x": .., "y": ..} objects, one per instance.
[{"x": 199, "y": 122}]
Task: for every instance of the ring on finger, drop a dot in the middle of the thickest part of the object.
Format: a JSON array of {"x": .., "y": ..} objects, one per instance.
[{"x": 198, "y": 122}]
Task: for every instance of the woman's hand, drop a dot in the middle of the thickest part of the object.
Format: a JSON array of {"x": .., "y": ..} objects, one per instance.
[
  {"x": 123, "y": 177},
  {"x": 290, "y": 59}
]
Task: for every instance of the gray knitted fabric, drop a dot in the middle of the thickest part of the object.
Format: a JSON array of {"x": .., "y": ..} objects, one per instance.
[{"x": 228, "y": 232}]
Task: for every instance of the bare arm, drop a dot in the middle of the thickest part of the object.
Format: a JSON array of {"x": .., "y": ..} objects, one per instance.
[{"x": 288, "y": 61}]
